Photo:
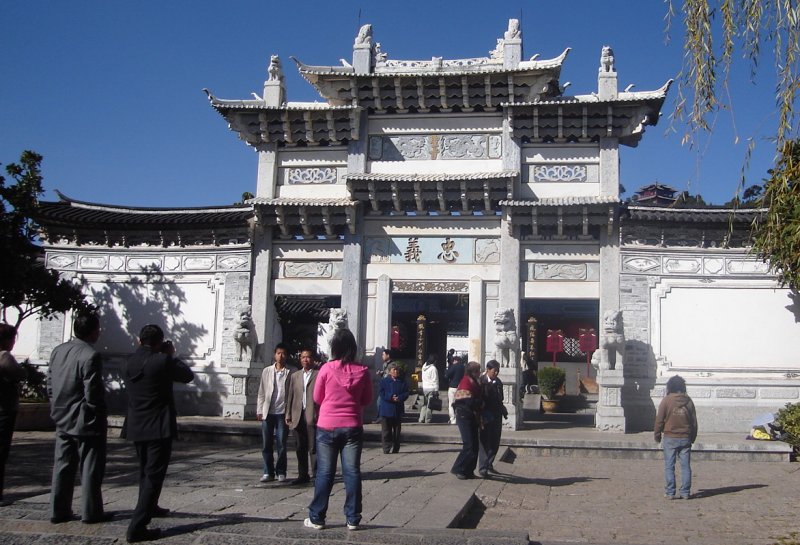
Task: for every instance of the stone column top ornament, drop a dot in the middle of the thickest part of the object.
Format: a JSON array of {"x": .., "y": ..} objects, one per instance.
[
  {"x": 514, "y": 32},
  {"x": 274, "y": 71},
  {"x": 364, "y": 37},
  {"x": 607, "y": 60}
]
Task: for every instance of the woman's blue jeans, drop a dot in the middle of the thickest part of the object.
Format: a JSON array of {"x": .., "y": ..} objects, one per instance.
[
  {"x": 331, "y": 443},
  {"x": 681, "y": 448}
]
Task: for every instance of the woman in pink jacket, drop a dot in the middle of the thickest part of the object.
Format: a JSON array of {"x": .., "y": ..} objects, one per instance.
[{"x": 343, "y": 389}]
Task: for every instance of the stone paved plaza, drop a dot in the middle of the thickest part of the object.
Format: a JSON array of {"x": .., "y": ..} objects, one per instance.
[{"x": 410, "y": 497}]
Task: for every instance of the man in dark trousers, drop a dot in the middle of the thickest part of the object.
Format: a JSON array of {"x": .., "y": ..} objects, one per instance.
[
  {"x": 151, "y": 423},
  {"x": 493, "y": 412},
  {"x": 301, "y": 416},
  {"x": 78, "y": 408}
]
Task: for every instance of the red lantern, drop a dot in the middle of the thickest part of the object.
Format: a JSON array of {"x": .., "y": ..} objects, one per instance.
[{"x": 587, "y": 339}]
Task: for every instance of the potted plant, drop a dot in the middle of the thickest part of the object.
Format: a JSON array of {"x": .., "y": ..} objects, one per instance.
[
  {"x": 551, "y": 380},
  {"x": 34, "y": 406}
]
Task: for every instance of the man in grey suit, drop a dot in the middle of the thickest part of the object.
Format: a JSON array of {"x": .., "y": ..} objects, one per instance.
[
  {"x": 151, "y": 422},
  {"x": 78, "y": 408},
  {"x": 301, "y": 415}
]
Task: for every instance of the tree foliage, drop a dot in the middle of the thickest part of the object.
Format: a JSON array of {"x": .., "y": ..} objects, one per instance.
[
  {"x": 776, "y": 234},
  {"x": 25, "y": 284},
  {"x": 714, "y": 29}
]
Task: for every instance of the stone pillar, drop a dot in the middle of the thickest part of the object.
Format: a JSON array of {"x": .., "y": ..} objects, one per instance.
[
  {"x": 383, "y": 315},
  {"x": 512, "y": 45},
  {"x": 476, "y": 313},
  {"x": 510, "y": 298},
  {"x": 610, "y": 415},
  {"x": 609, "y": 167},
  {"x": 267, "y": 170},
  {"x": 352, "y": 286}
]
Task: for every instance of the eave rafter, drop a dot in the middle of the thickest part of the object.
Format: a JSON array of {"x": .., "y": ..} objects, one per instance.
[{"x": 307, "y": 218}]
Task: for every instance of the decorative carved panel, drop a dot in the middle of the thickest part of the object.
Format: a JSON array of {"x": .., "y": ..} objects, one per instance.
[
  {"x": 61, "y": 261},
  {"x": 747, "y": 266},
  {"x": 641, "y": 264},
  {"x": 435, "y": 146},
  {"x": 560, "y": 271},
  {"x": 560, "y": 173},
  {"x": 691, "y": 265},
  {"x": 463, "y": 146},
  {"x": 487, "y": 250},
  {"x": 199, "y": 263},
  {"x": 93, "y": 263},
  {"x": 307, "y": 269},
  {"x": 401, "y": 286},
  {"x": 233, "y": 262},
  {"x": 305, "y": 176},
  {"x": 401, "y": 148}
]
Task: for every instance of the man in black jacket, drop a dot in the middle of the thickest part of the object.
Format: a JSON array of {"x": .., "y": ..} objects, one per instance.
[
  {"x": 493, "y": 412},
  {"x": 151, "y": 423}
]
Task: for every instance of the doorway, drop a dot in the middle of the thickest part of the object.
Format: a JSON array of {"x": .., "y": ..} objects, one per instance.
[{"x": 426, "y": 324}]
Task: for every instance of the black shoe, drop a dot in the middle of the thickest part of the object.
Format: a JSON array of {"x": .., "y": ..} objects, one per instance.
[
  {"x": 395, "y": 450},
  {"x": 160, "y": 512},
  {"x": 105, "y": 517},
  {"x": 62, "y": 519},
  {"x": 386, "y": 451},
  {"x": 300, "y": 481},
  {"x": 484, "y": 473},
  {"x": 144, "y": 535},
  {"x": 462, "y": 476}
]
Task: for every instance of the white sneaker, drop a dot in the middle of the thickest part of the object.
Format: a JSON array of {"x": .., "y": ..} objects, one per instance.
[
  {"x": 281, "y": 478},
  {"x": 313, "y": 525},
  {"x": 352, "y": 527},
  {"x": 266, "y": 477}
]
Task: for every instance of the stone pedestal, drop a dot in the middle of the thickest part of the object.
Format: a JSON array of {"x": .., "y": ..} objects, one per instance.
[
  {"x": 240, "y": 404},
  {"x": 610, "y": 414},
  {"x": 362, "y": 58},
  {"x": 511, "y": 378}
]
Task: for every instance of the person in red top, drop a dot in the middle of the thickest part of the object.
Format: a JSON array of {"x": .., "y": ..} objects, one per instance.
[
  {"x": 468, "y": 406},
  {"x": 342, "y": 390}
]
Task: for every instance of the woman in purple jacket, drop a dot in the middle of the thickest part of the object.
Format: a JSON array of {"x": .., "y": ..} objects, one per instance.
[{"x": 343, "y": 389}]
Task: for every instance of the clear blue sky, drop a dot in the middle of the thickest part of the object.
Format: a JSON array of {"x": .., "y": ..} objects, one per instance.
[{"x": 110, "y": 91}]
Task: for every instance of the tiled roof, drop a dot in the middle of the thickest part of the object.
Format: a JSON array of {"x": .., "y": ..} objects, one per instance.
[
  {"x": 437, "y": 177},
  {"x": 85, "y": 214},
  {"x": 282, "y": 201},
  {"x": 693, "y": 215},
  {"x": 424, "y": 68},
  {"x": 256, "y": 104},
  {"x": 637, "y": 96},
  {"x": 561, "y": 201}
]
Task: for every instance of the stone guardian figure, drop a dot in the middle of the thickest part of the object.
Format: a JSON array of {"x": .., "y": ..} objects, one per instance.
[{"x": 506, "y": 339}]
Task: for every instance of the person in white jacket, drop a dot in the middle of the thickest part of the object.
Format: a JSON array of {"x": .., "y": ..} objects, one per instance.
[{"x": 430, "y": 388}]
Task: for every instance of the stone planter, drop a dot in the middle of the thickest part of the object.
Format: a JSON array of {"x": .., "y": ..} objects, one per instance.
[
  {"x": 550, "y": 405},
  {"x": 34, "y": 417}
]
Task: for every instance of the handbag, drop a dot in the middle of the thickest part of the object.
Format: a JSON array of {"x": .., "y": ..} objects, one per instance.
[{"x": 434, "y": 403}]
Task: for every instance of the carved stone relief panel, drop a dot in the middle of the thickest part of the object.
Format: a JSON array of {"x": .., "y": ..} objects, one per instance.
[
  {"x": 487, "y": 250},
  {"x": 172, "y": 263},
  {"x": 61, "y": 261},
  {"x": 306, "y": 176},
  {"x": 463, "y": 146},
  {"x": 564, "y": 271},
  {"x": 435, "y": 146},
  {"x": 199, "y": 263},
  {"x": 714, "y": 266},
  {"x": 682, "y": 265},
  {"x": 560, "y": 173},
  {"x": 137, "y": 264},
  {"x": 641, "y": 264},
  {"x": 308, "y": 269},
  {"x": 401, "y": 148},
  {"x": 233, "y": 262},
  {"x": 93, "y": 263},
  {"x": 747, "y": 266},
  {"x": 238, "y": 386}
]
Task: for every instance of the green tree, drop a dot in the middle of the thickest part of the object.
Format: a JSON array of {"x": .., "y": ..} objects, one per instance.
[
  {"x": 685, "y": 200},
  {"x": 25, "y": 284},
  {"x": 777, "y": 232},
  {"x": 714, "y": 30}
]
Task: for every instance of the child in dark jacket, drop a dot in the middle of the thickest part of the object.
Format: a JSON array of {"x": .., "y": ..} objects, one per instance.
[{"x": 392, "y": 394}]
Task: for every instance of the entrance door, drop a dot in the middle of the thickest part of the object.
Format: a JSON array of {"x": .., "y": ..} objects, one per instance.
[{"x": 428, "y": 324}]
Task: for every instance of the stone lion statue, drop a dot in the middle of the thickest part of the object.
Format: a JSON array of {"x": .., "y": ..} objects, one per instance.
[
  {"x": 612, "y": 342},
  {"x": 607, "y": 59},
  {"x": 506, "y": 339},
  {"x": 337, "y": 319},
  {"x": 242, "y": 334},
  {"x": 275, "y": 72}
]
